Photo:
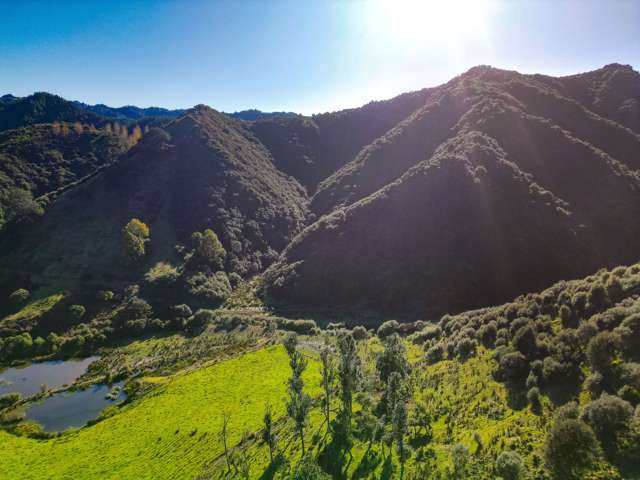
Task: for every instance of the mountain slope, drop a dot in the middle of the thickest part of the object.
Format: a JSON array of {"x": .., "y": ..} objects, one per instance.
[
  {"x": 205, "y": 171},
  {"x": 398, "y": 239}
]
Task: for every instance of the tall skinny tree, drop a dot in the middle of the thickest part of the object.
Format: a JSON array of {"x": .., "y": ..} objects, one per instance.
[
  {"x": 328, "y": 379},
  {"x": 299, "y": 403},
  {"x": 268, "y": 434},
  {"x": 349, "y": 372}
]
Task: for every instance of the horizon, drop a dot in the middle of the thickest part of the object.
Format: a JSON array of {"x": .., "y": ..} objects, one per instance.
[{"x": 308, "y": 59}]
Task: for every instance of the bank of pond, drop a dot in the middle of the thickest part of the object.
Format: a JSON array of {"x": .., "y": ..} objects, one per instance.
[{"x": 59, "y": 411}]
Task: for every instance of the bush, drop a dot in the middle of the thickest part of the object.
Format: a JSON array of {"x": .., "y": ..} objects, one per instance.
[
  {"x": 586, "y": 331},
  {"x": 512, "y": 368},
  {"x": 570, "y": 444},
  {"x": 607, "y": 416},
  {"x": 430, "y": 332},
  {"x": 387, "y": 328},
  {"x": 77, "y": 311},
  {"x": 488, "y": 334},
  {"x": 465, "y": 347},
  {"x": 208, "y": 249},
  {"x": 359, "y": 333},
  {"x": 19, "y": 296},
  {"x": 601, "y": 351},
  {"x": 105, "y": 295},
  {"x": 566, "y": 315},
  {"x": 509, "y": 466},
  {"x": 629, "y": 334},
  {"x": 630, "y": 394},
  {"x": 209, "y": 289},
  {"x": 302, "y": 327},
  {"x": 533, "y": 397},
  {"x": 434, "y": 354},
  {"x": 524, "y": 340}
]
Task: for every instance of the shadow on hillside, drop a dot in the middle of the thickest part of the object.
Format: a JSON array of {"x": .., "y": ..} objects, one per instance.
[
  {"x": 370, "y": 460},
  {"x": 335, "y": 458},
  {"x": 273, "y": 467},
  {"x": 562, "y": 394}
]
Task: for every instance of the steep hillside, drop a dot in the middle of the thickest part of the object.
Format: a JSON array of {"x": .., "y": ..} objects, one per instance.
[
  {"x": 312, "y": 148},
  {"x": 42, "y": 159},
  {"x": 205, "y": 172},
  {"x": 400, "y": 233}
]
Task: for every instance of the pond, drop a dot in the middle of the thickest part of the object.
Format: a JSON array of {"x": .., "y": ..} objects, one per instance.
[
  {"x": 28, "y": 380},
  {"x": 74, "y": 409}
]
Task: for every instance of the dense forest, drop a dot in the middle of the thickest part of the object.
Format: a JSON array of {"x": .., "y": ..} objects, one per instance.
[{"x": 440, "y": 285}]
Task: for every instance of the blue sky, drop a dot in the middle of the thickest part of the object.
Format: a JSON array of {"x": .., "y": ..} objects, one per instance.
[{"x": 304, "y": 56}]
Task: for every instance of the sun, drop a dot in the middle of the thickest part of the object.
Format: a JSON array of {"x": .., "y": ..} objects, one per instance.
[{"x": 404, "y": 21}]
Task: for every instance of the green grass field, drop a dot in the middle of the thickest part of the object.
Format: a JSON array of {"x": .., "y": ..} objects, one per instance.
[{"x": 170, "y": 433}]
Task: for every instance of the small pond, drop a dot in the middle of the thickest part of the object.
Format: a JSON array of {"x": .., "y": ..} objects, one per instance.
[
  {"x": 28, "y": 379},
  {"x": 74, "y": 409}
]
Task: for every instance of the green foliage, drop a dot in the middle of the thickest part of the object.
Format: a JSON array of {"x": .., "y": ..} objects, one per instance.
[
  {"x": 19, "y": 296},
  {"x": 393, "y": 358},
  {"x": 77, "y": 311},
  {"x": 601, "y": 351},
  {"x": 135, "y": 235},
  {"x": 387, "y": 328},
  {"x": 209, "y": 249},
  {"x": 509, "y": 466},
  {"x": 571, "y": 446},
  {"x": 608, "y": 415}
]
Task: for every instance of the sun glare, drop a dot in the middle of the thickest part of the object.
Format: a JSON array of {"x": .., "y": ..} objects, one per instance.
[{"x": 410, "y": 20}]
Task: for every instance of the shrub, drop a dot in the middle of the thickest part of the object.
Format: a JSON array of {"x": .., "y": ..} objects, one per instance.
[
  {"x": 359, "y": 333},
  {"x": 512, "y": 368},
  {"x": 430, "y": 332},
  {"x": 555, "y": 372},
  {"x": 517, "y": 324},
  {"x": 387, "y": 328},
  {"x": 77, "y": 311},
  {"x": 630, "y": 394},
  {"x": 434, "y": 354},
  {"x": 135, "y": 235},
  {"x": 465, "y": 347},
  {"x": 586, "y": 331},
  {"x": 19, "y": 296},
  {"x": 566, "y": 315},
  {"x": 509, "y": 466},
  {"x": 533, "y": 397},
  {"x": 105, "y": 295},
  {"x": 209, "y": 249},
  {"x": 302, "y": 327},
  {"x": 595, "y": 384},
  {"x": 601, "y": 351},
  {"x": 524, "y": 340},
  {"x": 209, "y": 289},
  {"x": 607, "y": 416},
  {"x": 570, "y": 444},
  {"x": 629, "y": 334},
  {"x": 488, "y": 334}
]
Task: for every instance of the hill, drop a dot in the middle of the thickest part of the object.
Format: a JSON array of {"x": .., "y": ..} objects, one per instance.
[
  {"x": 40, "y": 160},
  {"x": 476, "y": 196},
  {"x": 129, "y": 112},
  {"x": 206, "y": 171}
]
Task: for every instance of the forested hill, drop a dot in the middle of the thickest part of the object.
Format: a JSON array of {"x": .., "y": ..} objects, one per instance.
[{"x": 459, "y": 196}]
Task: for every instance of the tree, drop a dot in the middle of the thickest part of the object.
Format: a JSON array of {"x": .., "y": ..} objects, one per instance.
[
  {"x": 399, "y": 422},
  {"x": 299, "y": 403},
  {"x": 629, "y": 333},
  {"x": 509, "y": 466},
  {"x": 328, "y": 379},
  {"x": 307, "y": 469},
  {"x": 608, "y": 415},
  {"x": 393, "y": 358},
  {"x": 209, "y": 249},
  {"x": 77, "y": 311},
  {"x": 349, "y": 372},
  {"x": 135, "y": 235},
  {"x": 387, "y": 328},
  {"x": 19, "y": 204},
  {"x": 224, "y": 434},
  {"x": 268, "y": 434},
  {"x": 460, "y": 457},
  {"x": 601, "y": 351},
  {"x": 524, "y": 340},
  {"x": 136, "y": 135},
  {"x": 19, "y": 296},
  {"x": 570, "y": 445}
]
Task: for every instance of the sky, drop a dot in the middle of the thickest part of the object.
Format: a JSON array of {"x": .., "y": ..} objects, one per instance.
[{"x": 304, "y": 56}]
